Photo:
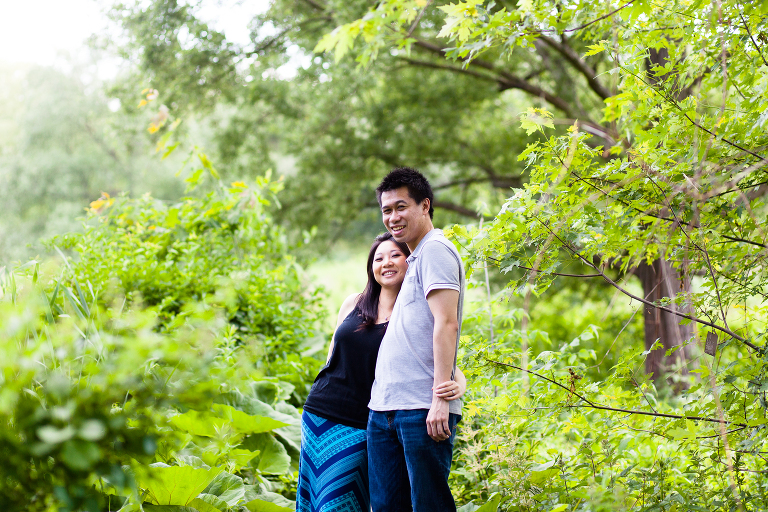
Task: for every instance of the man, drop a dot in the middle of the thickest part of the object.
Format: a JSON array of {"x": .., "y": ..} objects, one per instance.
[{"x": 410, "y": 430}]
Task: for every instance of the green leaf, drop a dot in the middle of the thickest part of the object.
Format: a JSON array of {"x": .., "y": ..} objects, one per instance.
[
  {"x": 175, "y": 485},
  {"x": 80, "y": 455},
  {"x": 534, "y": 119},
  {"x": 270, "y": 502},
  {"x": 208, "y": 503},
  {"x": 227, "y": 487},
  {"x": 207, "y": 425},
  {"x": 492, "y": 505},
  {"x": 52, "y": 435},
  {"x": 594, "y": 49},
  {"x": 169, "y": 508},
  {"x": 246, "y": 423},
  {"x": 274, "y": 459},
  {"x": 208, "y": 165},
  {"x": 194, "y": 179},
  {"x": 170, "y": 149}
]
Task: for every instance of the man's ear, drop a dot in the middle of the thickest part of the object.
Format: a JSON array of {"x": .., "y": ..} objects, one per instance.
[{"x": 425, "y": 204}]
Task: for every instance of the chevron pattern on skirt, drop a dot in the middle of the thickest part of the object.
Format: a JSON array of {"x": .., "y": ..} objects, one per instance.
[{"x": 333, "y": 468}]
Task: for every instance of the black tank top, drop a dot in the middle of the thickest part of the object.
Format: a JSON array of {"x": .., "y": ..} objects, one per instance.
[{"x": 342, "y": 389}]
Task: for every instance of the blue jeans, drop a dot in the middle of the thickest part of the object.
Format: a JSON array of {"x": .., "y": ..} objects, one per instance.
[{"x": 407, "y": 469}]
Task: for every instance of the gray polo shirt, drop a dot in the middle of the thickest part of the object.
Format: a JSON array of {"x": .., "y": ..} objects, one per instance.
[{"x": 405, "y": 365}]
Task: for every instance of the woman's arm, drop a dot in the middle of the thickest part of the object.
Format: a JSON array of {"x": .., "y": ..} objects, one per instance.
[
  {"x": 346, "y": 308},
  {"x": 453, "y": 389}
]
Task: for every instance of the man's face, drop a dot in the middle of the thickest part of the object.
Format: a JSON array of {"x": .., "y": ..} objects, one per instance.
[{"x": 403, "y": 217}]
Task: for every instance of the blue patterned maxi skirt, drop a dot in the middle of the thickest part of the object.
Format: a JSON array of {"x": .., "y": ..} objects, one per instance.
[{"x": 333, "y": 468}]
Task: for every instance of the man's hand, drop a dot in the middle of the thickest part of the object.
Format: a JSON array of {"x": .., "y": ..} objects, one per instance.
[{"x": 437, "y": 420}]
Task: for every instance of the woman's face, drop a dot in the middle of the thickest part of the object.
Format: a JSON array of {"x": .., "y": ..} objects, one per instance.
[{"x": 389, "y": 265}]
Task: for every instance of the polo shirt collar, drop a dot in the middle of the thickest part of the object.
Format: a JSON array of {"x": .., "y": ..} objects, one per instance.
[{"x": 417, "y": 250}]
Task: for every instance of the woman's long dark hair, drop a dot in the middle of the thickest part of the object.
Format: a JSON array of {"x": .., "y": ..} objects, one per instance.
[{"x": 368, "y": 302}]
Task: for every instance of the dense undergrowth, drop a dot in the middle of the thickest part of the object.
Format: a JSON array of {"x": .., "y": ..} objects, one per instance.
[{"x": 162, "y": 365}]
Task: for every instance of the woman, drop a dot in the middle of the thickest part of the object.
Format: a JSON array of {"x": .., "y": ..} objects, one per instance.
[{"x": 333, "y": 468}]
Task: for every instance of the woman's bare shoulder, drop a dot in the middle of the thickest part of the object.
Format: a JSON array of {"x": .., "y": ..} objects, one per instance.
[{"x": 347, "y": 306}]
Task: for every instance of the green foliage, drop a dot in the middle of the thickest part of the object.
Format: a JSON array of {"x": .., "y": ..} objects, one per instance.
[
  {"x": 673, "y": 170},
  {"x": 216, "y": 251},
  {"x": 334, "y": 132},
  {"x": 555, "y": 435},
  {"x": 154, "y": 371}
]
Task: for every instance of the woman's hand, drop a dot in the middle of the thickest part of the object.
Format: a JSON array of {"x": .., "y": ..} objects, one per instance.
[{"x": 450, "y": 390}]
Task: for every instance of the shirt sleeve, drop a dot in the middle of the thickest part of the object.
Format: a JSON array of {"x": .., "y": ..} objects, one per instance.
[{"x": 439, "y": 268}]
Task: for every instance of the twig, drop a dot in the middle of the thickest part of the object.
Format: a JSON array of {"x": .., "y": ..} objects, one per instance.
[
  {"x": 752, "y": 38},
  {"x": 614, "y": 409},
  {"x": 600, "y": 18},
  {"x": 719, "y": 434},
  {"x": 694, "y": 123},
  {"x": 418, "y": 19},
  {"x": 646, "y": 302},
  {"x": 557, "y": 273}
]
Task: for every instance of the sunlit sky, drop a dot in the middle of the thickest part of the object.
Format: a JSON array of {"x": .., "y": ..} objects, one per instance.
[
  {"x": 41, "y": 31},
  {"x": 36, "y": 31}
]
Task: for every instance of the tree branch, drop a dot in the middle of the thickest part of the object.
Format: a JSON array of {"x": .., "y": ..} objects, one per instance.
[
  {"x": 465, "y": 71},
  {"x": 316, "y": 5},
  {"x": 752, "y": 38},
  {"x": 272, "y": 40},
  {"x": 456, "y": 208},
  {"x": 614, "y": 409},
  {"x": 661, "y": 217},
  {"x": 600, "y": 18},
  {"x": 675, "y": 104},
  {"x": 496, "y": 181},
  {"x": 647, "y": 302},
  {"x": 418, "y": 19},
  {"x": 507, "y": 80},
  {"x": 582, "y": 67},
  {"x": 554, "y": 273}
]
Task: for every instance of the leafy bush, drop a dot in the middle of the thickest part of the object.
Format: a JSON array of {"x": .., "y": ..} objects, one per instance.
[
  {"x": 551, "y": 434},
  {"x": 221, "y": 250},
  {"x": 154, "y": 371}
]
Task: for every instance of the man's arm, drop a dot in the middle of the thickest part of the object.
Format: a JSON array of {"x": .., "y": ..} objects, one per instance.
[{"x": 443, "y": 303}]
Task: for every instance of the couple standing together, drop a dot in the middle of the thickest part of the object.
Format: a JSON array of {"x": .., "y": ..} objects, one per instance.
[{"x": 379, "y": 423}]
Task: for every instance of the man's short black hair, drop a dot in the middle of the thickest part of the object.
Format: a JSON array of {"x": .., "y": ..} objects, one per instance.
[{"x": 418, "y": 187}]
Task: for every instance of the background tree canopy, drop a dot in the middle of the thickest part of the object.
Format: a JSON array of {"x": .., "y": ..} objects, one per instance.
[{"x": 603, "y": 167}]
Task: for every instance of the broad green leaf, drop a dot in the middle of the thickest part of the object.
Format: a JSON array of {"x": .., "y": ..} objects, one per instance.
[
  {"x": 52, "y": 435},
  {"x": 207, "y": 424},
  {"x": 80, "y": 455},
  {"x": 270, "y": 502},
  {"x": 175, "y": 485},
  {"x": 208, "y": 503},
  {"x": 492, "y": 505},
  {"x": 246, "y": 423},
  {"x": 227, "y": 487},
  {"x": 169, "y": 508},
  {"x": 273, "y": 459}
]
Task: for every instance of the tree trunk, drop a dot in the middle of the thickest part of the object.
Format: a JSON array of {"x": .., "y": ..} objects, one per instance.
[{"x": 660, "y": 280}]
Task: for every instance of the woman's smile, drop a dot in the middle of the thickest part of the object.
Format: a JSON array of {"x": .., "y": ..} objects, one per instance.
[{"x": 389, "y": 264}]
